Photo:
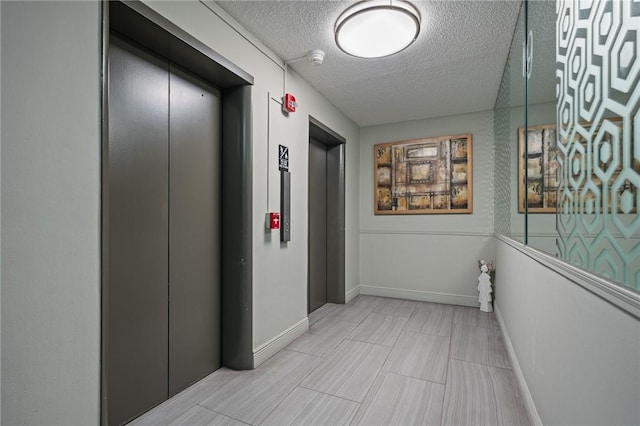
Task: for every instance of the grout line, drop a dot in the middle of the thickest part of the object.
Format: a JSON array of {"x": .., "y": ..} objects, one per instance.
[
  {"x": 329, "y": 394},
  {"x": 414, "y": 377},
  {"x": 291, "y": 350},
  {"x": 446, "y": 374},
  {"x": 371, "y": 343},
  {"x": 222, "y": 414},
  {"x": 307, "y": 353},
  {"x": 484, "y": 365},
  {"x": 275, "y": 407},
  {"x": 371, "y": 386}
]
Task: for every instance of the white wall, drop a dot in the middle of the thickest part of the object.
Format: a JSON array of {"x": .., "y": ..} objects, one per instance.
[
  {"x": 428, "y": 257},
  {"x": 579, "y": 354},
  {"x": 279, "y": 271},
  {"x": 50, "y": 212}
]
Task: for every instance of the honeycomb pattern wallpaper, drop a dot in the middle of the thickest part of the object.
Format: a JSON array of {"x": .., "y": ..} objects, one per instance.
[{"x": 598, "y": 130}]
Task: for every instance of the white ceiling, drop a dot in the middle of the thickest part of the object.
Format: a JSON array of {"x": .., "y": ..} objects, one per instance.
[{"x": 454, "y": 67}]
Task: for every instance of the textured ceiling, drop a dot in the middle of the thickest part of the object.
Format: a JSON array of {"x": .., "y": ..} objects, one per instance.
[{"x": 454, "y": 66}]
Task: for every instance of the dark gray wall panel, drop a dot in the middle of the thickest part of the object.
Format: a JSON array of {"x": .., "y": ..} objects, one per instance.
[
  {"x": 237, "y": 318},
  {"x": 285, "y": 206},
  {"x": 194, "y": 230},
  {"x": 138, "y": 232},
  {"x": 317, "y": 224},
  {"x": 335, "y": 224}
]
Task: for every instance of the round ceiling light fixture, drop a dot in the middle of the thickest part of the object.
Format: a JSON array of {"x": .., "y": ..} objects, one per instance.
[{"x": 377, "y": 28}]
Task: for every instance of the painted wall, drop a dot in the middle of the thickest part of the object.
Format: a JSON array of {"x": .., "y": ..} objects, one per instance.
[
  {"x": 428, "y": 257},
  {"x": 50, "y": 212},
  {"x": 578, "y": 353},
  {"x": 279, "y": 271}
]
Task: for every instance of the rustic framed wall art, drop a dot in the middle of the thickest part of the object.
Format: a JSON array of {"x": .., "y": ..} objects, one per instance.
[
  {"x": 542, "y": 169},
  {"x": 424, "y": 176},
  {"x": 589, "y": 169}
]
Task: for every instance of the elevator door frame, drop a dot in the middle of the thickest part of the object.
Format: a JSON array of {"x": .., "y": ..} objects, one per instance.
[
  {"x": 146, "y": 27},
  {"x": 335, "y": 256}
]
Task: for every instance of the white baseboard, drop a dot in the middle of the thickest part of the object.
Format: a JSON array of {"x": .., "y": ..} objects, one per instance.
[
  {"x": 281, "y": 341},
  {"x": 423, "y": 296},
  {"x": 534, "y": 417},
  {"x": 349, "y": 295}
]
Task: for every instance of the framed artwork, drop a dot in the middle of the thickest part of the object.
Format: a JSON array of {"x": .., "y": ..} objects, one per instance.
[
  {"x": 424, "y": 176},
  {"x": 542, "y": 169}
]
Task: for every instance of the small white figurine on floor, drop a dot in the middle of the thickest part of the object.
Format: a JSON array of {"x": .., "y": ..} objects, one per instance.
[{"x": 484, "y": 287}]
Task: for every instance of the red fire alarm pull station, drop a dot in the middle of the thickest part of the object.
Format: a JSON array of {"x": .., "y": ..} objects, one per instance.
[
  {"x": 274, "y": 220},
  {"x": 289, "y": 103}
]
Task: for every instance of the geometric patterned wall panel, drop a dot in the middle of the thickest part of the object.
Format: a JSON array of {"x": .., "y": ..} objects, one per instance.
[{"x": 598, "y": 122}]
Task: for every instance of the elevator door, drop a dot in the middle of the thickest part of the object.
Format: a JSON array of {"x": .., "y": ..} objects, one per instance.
[
  {"x": 194, "y": 230},
  {"x": 163, "y": 245},
  {"x": 317, "y": 224}
]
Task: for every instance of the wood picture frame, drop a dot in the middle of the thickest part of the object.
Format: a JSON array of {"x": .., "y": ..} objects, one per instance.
[
  {"x": 543, "y": 167},
  {"x": 424, "y": 176}
]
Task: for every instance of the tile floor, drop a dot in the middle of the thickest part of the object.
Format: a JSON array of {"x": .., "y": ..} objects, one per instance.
[{"x": 374, "y": 361}]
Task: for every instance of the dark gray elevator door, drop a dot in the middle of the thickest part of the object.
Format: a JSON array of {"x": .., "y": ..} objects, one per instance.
[
  {"x": 317, "y": 224},
  {"x": 163, "y": 231},
  {"x": 194, "y": 231},
  {"x": 138, "y": 209}
]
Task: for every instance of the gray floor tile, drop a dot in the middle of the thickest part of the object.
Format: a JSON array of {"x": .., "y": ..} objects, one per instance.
[
  {"x": 469, "y": 343},
  {"x": 510, "y": 406},
  {"x": 356, "y": 310},
  {"x": 431, "y": 318},
  {"x": 341, "y": 372},
  {"x": 478, "y": 344},
  {"x": 200, "y": 416},
  {"x": 497, "y": 353},
  {"x": 420, "y": 356},
  {"x": 308, "y": 407},
  {"x": 469, "y": 398},
  {"x": 323, "y": 337},
  {"x": 397, "y": 307},
  {"x": 175, "y": 407},
  {"x": 321, "y": 312},
  {"x": 380, "y": 329},
  {"x": 251, "y": 396},
  {"x": 474, "y": 317},
  {"x": 349, "y": 371},
  {"x": 481, "y": 395},
  {"x": 401, "y": 400}
]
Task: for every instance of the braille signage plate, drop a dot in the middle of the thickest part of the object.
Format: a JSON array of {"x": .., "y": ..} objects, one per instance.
[{"x": 283, "y": 156}]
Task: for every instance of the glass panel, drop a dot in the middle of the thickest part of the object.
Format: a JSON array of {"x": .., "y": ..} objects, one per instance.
[
  {"x": 508, "y": 117},
  {"x": 539, "y": 154},
  {"x": 598, "y": 116}
]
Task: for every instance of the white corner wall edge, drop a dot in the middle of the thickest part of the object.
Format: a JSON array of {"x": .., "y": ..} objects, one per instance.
[
  {"x": 351, "y": 294},
  {"x": 281, "y": 341},
  {"x": 530, "y": 405},
  {"x": 422, "y": 296}
]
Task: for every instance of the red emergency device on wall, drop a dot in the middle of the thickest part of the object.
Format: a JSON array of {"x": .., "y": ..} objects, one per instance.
[
  {"x": 274, "y": 220},
  {"x": 289, "y": 103}
]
